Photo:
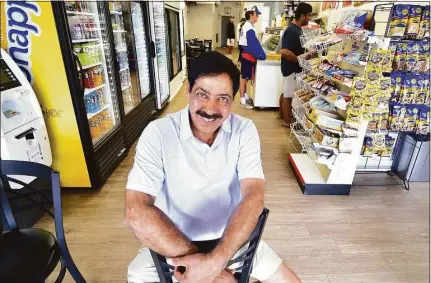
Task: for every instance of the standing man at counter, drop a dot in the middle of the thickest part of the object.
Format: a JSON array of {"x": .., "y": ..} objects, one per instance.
[
  {"x": 251, "y": 52},
  {"x": 291, "y": 48}
]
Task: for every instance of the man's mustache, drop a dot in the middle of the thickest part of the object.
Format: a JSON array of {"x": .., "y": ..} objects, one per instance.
[{"x": 208, "y": 116}]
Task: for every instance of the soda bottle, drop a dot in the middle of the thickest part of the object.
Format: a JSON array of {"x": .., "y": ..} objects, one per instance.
[{"x": 87, "y": 82}]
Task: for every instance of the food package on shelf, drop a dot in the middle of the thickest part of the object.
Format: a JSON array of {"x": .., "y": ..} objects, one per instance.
[
  {"x": 324, "y": 154},
  {"x": 398, "y": 21},
  {"x": 424, "y": 25},
  {"x": 352, "y": 23},
  {"x": 327, "y": 137},
  {"x": 323, "y": 105},
  {"x": 423, "y": 125},
  {"x": 326, "y": 120},
  {"x": 413, "y": 23}
]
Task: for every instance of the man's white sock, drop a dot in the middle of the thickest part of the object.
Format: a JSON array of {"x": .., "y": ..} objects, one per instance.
[
  {"x": 243, "y": 100},
  {"x": 246, "y": 96}
]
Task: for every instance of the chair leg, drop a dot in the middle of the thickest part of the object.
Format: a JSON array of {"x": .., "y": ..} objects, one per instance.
[
  {"x": 62, "y": 272},
  {"x": 70, "y": 265}
]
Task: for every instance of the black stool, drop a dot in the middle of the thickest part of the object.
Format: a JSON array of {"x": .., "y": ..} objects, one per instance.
[
  {"x": 30, "y": 255},
  {"x": 242, "y": 273}
]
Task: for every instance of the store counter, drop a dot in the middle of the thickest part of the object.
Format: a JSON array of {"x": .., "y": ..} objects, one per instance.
[{"x": 268, "y": 84}]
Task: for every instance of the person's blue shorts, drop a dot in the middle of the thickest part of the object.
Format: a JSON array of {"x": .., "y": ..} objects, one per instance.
[{"x": 247, "y": 69}]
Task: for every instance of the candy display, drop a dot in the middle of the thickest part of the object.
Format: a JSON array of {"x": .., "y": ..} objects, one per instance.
[{"x": 352, "y": 22}]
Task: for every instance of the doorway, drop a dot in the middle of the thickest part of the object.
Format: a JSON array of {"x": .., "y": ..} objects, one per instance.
[{"x": 224, "y": 22}]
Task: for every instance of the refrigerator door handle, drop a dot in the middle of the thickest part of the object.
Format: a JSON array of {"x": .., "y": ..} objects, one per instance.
[
  {"x": 153, "y": 49},
  {"x": 80, "y": 73}
]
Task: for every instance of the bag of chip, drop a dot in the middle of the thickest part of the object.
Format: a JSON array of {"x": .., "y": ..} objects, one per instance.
[
  {"x": 389, "y": 146},
  {"x": 359, "y": 85},
  {"x": 384, "y": 121},
  {"x": 373, "y": 75},
  {"x": 412, "y": 56},
  {"x": 410, "y": 117},
  {"x": 423, "y": 127},
  {"x": 396, "y": 83},
  {"x": 409, "y": 89},
  {"x": 385, "y": 87},
  {"x": 422, "y": 86},
  {"x": 398, "y": 112},
  {"x": 413, "y": 21},
  {"x": 398, "y": 23},
  {"x": 424, "y": 25},
  {"x": 368, "y": 147},
  {"x": 422, "y": 64},
  {"x": 400, "y": 56}
]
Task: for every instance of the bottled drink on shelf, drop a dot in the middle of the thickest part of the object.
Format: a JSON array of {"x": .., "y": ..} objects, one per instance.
[
  {"x": 70, "y": 6},
  {"x": 94, "y": 101}
]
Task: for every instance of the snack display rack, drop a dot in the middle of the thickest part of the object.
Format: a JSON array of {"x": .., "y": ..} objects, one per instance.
[{"x": 379, "y": 101}]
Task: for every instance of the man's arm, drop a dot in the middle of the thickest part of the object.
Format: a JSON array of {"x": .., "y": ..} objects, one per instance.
[
  {"x": 243, "y": 220},
  {"x": 153, "y": 228},
  {"x": 288, "y": 55}
]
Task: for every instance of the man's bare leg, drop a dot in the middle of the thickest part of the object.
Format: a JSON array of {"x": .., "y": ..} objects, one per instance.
[
  {"x": 242, "y": 87},
  {"x": 280, "y": 109},
  {"x": 287, "y": 110},
  {"x": 283, "y": 275}
]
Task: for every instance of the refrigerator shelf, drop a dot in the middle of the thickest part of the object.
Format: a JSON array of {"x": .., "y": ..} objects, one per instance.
[
  {"x": 79, "y": 13},
  {"x": 119, "y": 30},
  {"x": 90, "y": 66},
  {"x": 126, "y": 87},
  {"x": 116, "y": 12},
  {"x": 91, "y": 115},
  {"x": 123, "y": 69},
  {"x": 85, "y": 40},
  {"x": 90, "y": 90}
]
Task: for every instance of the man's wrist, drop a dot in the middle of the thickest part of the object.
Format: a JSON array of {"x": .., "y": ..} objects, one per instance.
[{"x": 220, "y": 258}]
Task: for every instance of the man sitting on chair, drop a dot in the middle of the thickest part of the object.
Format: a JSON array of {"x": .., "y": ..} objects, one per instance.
[{"x": 198, "y": 176}]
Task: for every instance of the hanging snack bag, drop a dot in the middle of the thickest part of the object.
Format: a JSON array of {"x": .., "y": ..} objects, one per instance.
[
  {"x": 414, "y": 21},
  {"x": 409, "y": 89},
  {"x": 421, "y": 89},
  {"x": 396, "y": 82},
  {"x": 423, "y": 127},
  {"x": 424, "y": 25},
  {"x": 422, "y": 64},
  {"x": 359, "y": 85},
  {"x": 384, "y": 121},
  {"x": 368, "y": 147},
  {"x": 385, "y": 87},
  {"x": 411, "y": 117},
  {"x": 399, "y": 21},
  {"x": 389, "y": 146},
  {"x": 386, "y": 65},
  {"x": 373, "y": 75},
  {"x": 400, "y": 56},
  {"x": 412, "y": 56},
  {"x": 378, "y": 141},
  {"x": 372, "y": 125},
  {"x": 398, "y": 112},
  {"x": 355, "y": 107}
]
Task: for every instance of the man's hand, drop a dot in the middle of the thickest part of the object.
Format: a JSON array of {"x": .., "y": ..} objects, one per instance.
[{"x": 200, "y": 268}]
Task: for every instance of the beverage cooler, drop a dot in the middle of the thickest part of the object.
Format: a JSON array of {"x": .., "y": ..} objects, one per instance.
[{"x": 92, "y": 67}]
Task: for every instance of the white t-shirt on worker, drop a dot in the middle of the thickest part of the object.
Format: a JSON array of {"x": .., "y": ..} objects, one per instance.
[{"x": 195, "y": 185}]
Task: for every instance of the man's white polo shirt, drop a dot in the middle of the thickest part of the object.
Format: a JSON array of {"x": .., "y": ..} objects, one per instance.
[{"x": 195, "y": 185}]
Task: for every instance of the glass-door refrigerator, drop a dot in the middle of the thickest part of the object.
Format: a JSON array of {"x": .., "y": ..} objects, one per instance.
[
  {"x": 87, "y": 43},
  {"x": 130, "y": 29},
  {"x": 159, "y": 35}
]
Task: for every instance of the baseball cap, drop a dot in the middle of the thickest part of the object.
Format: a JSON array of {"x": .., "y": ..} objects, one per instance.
[{"x": 255, "y": 9}]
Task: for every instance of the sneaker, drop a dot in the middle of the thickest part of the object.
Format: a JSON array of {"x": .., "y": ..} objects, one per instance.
[
  {"x": 250, "y": 101},
  {"x": 246, "y": 105}
]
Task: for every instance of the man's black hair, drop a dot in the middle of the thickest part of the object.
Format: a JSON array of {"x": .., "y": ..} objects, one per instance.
[
  {"x": 248, "y": 15},
  {"x": 303, "y": 9},
  {"x": 211, "y": 64}
]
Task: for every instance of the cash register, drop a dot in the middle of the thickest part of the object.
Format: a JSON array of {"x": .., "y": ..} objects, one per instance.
[{"x": 23, "y": 130}]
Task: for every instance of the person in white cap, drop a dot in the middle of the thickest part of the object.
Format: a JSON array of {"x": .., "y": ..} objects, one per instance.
[{"x": 251, "y": 52}]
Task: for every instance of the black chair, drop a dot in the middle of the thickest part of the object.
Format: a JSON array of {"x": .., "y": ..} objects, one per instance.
[
  {"x": 30, "y": 255},
  {"x": 242, "y": 273}
]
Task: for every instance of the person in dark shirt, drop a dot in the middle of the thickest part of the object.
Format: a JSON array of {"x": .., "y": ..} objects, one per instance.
[
  {"x": 230, "y": 37},
  {"x": 291, "y": 48}
]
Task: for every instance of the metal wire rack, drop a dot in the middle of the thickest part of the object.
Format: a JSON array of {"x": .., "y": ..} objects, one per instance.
[
  {"x": 302, "y": 135},
  {"x": 360, "y": 35},
  {"x": 319, "y": 42}
]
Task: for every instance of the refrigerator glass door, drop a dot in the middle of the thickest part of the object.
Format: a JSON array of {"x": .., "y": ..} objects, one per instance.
[
  {"x": 161, "y": 51},
  {"x": 142, "y": 49},
  {"x": 87, "y": 24},
  {"x": 124, "y": 48}
]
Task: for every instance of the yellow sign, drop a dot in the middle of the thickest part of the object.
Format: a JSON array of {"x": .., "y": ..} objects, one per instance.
[{"x": 30, "y": 37}]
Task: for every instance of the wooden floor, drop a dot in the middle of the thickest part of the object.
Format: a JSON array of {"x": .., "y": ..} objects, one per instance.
[{"x": 377, "y": 234}]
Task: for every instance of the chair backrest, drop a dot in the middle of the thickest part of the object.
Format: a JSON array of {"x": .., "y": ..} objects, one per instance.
[
  {"x": 10, "y": 168},
  {"x": 243, "y": 271},
  {"x": 33, "y": 196}
]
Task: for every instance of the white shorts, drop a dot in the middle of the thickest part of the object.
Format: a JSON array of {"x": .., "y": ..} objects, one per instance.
[
  {"x": 142, "y": 269},
  {"x": 289, "y": 85},
  {"x": 230, "y": 42}
]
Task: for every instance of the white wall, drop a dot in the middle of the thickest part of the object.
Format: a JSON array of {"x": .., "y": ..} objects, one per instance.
[{"x": 200, "y": 21}]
